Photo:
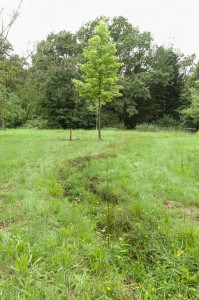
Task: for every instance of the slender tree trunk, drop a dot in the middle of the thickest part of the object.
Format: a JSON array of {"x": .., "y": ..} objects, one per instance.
[
  {"x": 70, "y": 134},
  {"x": 99, "y": 119},
  {"x": 2, "y": 125}
]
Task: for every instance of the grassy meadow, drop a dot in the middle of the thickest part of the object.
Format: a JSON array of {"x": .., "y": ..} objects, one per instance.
[{"x": 89, "y": 219}]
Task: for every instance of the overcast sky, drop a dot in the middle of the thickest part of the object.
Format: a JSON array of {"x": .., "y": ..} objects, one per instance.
[{"x": 169, "y": 21}]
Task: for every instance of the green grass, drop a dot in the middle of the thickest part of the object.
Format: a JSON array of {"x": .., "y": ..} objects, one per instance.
[{"x": 89, "y": 219}]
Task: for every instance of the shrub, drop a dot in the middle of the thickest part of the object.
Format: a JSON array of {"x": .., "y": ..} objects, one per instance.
[
  {"x": 166, "y": 123},
  {"x": 147, "y": 127},
  {"x": 37, "y": 123},
  {"x": 14, "y": 114}
]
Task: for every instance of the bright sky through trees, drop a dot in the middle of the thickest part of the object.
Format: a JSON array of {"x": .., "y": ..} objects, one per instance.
[{"x": 170, "y": 21}]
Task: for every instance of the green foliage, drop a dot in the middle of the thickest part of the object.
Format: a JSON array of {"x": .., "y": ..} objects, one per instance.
[
  {"x": 14, "y": 114},
  {"x": 156, "y": 80},
  {"x": 37, "y": 123},
  {"x": 134, "y": 50},
  {"x": 156, "y": 127},
  {"x": 191, "y": 114},
  {"x": 5, "y": 47},
  {"x": 194, "y": 75},
  {"x": 10, "y": 68},
  {"x": 167, "y": 121},
  {"x": 164, "y": 124},
  {"x": 48, "y": 91},
  {"x": 11, "y": 113},
  {"x": 99, "y": 73}
]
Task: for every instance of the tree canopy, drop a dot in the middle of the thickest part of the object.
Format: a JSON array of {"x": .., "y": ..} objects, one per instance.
[
  {"x": 99, "y": 73},
  {"x": 158, "y": 82}
]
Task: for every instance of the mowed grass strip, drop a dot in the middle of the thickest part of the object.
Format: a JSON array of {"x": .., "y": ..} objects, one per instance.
[{"x": 89, "y": 219}]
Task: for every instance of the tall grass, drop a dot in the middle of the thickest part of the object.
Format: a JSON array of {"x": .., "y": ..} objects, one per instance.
[{"x": 88, "y": 220}]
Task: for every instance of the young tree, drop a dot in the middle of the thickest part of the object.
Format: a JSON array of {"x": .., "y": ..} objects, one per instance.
[{"x": 98, "y": 84}]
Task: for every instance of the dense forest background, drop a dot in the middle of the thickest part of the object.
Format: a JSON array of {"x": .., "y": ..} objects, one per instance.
[{"x": 161, "y": 85}]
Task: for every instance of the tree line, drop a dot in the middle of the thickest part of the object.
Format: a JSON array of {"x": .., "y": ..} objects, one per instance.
[{"x": 160, "y": 84}]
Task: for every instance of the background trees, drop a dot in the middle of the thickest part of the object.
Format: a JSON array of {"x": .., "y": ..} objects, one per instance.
[
  {"x": 49, "y": 93},
  {"x": 11, "y": 67},
  {"x": 158, "y": 81},
  {"x": 191, "y": 113}
]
